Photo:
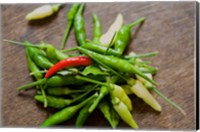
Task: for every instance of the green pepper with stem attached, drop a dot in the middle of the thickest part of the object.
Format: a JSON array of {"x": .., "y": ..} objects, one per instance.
[
  {"x": 124, "y": 35},
  {"x": 58, "y": 102},
  {"x": 79, "y": 28},
  {"x": 102, "y": 93},
  {"x": 109, "y": 113},
  {"x": 123, "y": 112},
  {"x": 84, "y": 114},
  {"x": 97, "y": 29},
  {"x": 116, "y": 63},
  {"x": 70, "y": 17},
  {"x": 66, "y": 113},
  {"x": 62, "y": 91}
]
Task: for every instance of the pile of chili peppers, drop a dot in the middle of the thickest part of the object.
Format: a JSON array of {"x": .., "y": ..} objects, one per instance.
[{"x": 97, "y": 77}]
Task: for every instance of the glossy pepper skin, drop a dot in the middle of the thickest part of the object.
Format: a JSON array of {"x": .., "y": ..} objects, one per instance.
[
  {"x": 39, "y": 57},
  {"x": 79, "y": 28},
  {"x": 33, "y": 67},
  {"x": 65, "y": 113},
  {"x": 97, "y": 29},
  {"x": 70, "y": 17},
  {"x": 124, "y": 36},
  {"x": 100, "y": 49},
  {"x": 115, "y": 63},
  {"x": 73, "y": 61},
  {"x": 55, "y": 102},
  {"x": 83, "y": 114}
]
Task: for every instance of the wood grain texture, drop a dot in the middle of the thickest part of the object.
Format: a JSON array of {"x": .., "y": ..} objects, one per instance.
[{"x": 169, "y": 28}]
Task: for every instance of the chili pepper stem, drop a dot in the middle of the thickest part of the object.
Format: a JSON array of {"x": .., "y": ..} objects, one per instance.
[
  {"x": 91, "y": 80},
  {"x": 20, "y": 43},
  {"x": 140, "y": 20},
  {"x": 150, "y": 54},
  {"x": 44, "y": 71},
  {"x": 69, "y": 50},
  {"x": 45, "y": 98},
  {"x": 168, "y": 100},
  {"x": 32, "y": 84},
  {"x": 81, "y": 96}
]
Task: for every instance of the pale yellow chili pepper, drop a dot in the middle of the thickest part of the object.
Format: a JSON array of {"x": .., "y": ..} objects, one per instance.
[
  {"x": 121, "y": 94},
  {"x": 42, "y": 12},
  {"x": 123, "y": 112}
]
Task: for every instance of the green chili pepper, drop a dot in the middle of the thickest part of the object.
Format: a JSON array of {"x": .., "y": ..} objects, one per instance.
[
  {"x": 33, "y": 67},
  {"x": 124, "y": 35},
  {"x": 62, "y": 91},
  {"x": 79, "y": 26},
  {"x": 38, "y": 57},
  {"x": 109, "y": 113},
  {"x": 70, "y": 17},
  {"x": 116, "y": 63},
  {"x": 55, "y": 102},
  {"x": 100, "y": 49},
  {"x": 97, "y": 29},
  {"x": 83, "y": 114},
  {"x": 51, "y": 54},
  {"x": 102, "y": 93},
  {"x": 123, "y": 112},
  {"x": 115, "y": 90},
  {"x": 54, "y": 81},
  {"x": 38, "y": 75},
  {"x": 42, "y": 61},
  {"x": 65, "y": 113}
]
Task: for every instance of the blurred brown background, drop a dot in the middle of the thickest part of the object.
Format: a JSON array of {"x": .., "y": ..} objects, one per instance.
[{"x": 169, "y": 28}]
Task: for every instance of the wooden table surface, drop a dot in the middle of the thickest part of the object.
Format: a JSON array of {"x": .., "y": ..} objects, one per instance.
[{"x": 169, "y": 28}]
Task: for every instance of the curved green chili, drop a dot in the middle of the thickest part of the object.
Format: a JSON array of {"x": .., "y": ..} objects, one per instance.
[
  {"x": 109, "y": 113},
  {"x": 102, "y": 93},
  {"x": 62, "y": 91},
  {"x": 100, "y": 49},
  {"x": 124, "y": 35},
  {"x": 65, "y": 113},
  {"x": 116, "y": 63},
  {"x": 97, "y": 29},
  {"x": 79, "y": 26},
  {"x": 84, "y": 114},
  {"x": 70, "y": 17}
]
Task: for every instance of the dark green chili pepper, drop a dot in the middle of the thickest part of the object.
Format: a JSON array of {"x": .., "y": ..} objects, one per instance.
[
  {"x": 58, "y": 102},
  {"x": 62, "y": 91},
  {"x": 124, "y": 35},
  {"x": 109, "y": 113},
  {"x": 102, "y": 93},
  {"x": 33, "y": 67},
  {"x": 65, "y": 113},
  {"x": 38, "y": 57},
  {"x": 55, "y": 102},
  {"x": 97, "y": 29},
  {"x": 116, "y": 63},
  {"x": 83, "y": 114},
  {"x": 100, "y": 49},
  {"x": 56, "y": 55},
  {"x": 42, "y": 61},
  {"x": 54, "y": 81},
  {"x": 70, "y": 17},
  {"x": 79, "y": 26},
  {"x": 51, "y": 54},
  {"x": 38, "y": 75}
]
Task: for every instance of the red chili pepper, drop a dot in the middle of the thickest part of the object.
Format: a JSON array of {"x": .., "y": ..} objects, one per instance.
[{"x": 74, "y": 61}]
